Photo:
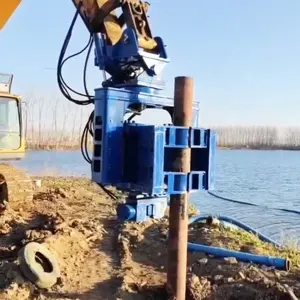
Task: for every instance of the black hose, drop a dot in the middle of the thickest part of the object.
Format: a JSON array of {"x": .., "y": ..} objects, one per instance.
[
  {"x": 61, "y": 83},
  {"x": 88, "y": 129},
  {"x": 253, "y": 204},
  {"x": 72, "y": 56}
]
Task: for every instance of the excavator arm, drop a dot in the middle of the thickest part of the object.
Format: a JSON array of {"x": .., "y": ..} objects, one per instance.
[
  {"x": 7, "y": 8},
  {"x": 100, "y": 16}
]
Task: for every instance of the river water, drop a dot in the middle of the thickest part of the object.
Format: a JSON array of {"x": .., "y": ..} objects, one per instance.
[{"x": 270, "y": 178}]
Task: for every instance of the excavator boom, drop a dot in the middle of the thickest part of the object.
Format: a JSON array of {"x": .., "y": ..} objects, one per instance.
[
  {"x": 100, "y": 16},
  {"x": 7, "y": 8},
  {"x": 88, "y": 9}
]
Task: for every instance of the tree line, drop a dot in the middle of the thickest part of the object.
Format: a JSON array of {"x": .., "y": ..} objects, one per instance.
[{"x": 57, "y": 124}]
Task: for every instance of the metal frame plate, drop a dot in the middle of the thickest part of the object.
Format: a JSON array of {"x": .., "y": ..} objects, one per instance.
[{"x": 6, "y": 82}]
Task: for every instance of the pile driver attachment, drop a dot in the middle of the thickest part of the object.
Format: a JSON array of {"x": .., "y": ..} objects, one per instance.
[{"x": 125, "y": 46}]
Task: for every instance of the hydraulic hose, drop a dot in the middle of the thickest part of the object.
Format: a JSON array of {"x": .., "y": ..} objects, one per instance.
[
  {"x": 239, "y": 224},
  {"x": 293, "y": 211},
  {"x": 278, "y": 263}
]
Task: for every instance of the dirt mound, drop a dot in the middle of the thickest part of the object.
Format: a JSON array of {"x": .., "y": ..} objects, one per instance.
[
  {"x": 145, "y": 261},
  {"x": 102, "y": 259},
  {"x": 75, "y": 221}
]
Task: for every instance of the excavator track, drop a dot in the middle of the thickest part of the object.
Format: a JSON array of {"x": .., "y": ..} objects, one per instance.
[{"x": 15, "y": 186}]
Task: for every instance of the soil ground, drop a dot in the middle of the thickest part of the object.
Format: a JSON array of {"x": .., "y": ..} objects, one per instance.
[{"x": 102, "y": 259}]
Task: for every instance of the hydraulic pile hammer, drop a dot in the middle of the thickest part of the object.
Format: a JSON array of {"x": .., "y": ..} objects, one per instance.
[{"x": 138, "y": 158}]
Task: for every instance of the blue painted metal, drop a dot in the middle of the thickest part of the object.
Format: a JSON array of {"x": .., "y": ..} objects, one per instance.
[
  {"x": 153, "y": 154},
  {"x": 142, "y": 208},
  {"x": 111, "y": 105},
  {"x": 136, "y": 157},
  {"x": 112, "y": 58},
  {"x": 126, "y": 212},
  {"x": 139, "y": 157}
]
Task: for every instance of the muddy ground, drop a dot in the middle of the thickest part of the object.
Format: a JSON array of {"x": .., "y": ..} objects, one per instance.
[{"x": 102, "y": 259}]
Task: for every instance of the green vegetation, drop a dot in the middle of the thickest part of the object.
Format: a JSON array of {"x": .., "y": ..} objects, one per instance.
[
  {"x": 240, "y": 240},
  {"x": 243, "y": 241},
  {"x": 259, "y": 137}
]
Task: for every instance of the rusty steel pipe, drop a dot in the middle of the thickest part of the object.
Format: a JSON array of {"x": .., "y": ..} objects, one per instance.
[{"x": 178, "y": 216}]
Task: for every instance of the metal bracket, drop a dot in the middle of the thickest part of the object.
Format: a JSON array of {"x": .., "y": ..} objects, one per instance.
[{"x": 6, "y": 83}]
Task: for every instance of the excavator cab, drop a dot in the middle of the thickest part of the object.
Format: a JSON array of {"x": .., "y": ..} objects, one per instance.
[
  {"x": 11, "y": 144},
  {"x": 15, "y": 185}
]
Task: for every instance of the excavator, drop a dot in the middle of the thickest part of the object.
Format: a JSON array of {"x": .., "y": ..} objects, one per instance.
[
  {"x": 144, "y": 160},
  {"x": 100, "y": 18},
  {"x": 15, "y": 185},
  {"x": 130, "y": 156}
]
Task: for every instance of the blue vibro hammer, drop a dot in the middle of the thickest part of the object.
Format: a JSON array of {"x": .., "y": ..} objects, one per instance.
[{"x": 134, "y": 157}]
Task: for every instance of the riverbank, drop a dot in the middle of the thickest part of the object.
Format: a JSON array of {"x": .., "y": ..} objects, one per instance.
[{"x": 102, "y": 259}]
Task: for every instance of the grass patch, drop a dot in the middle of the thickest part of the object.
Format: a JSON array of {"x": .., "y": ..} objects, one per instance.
[{"x": 236, "y": 239}]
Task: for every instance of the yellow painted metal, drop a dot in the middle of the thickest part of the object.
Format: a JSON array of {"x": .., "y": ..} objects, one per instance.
[
  {"x": 7, "y": 9},
  {"x": 113, "y": 29},
  {"x": 22, "y": 148}
]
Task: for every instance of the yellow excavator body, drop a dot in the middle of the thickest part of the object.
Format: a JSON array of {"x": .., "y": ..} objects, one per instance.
[{"x": 15, "y": 185}]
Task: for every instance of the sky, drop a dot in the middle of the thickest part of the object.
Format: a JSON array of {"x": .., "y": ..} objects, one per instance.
[{"x": 244, "y": 55}]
